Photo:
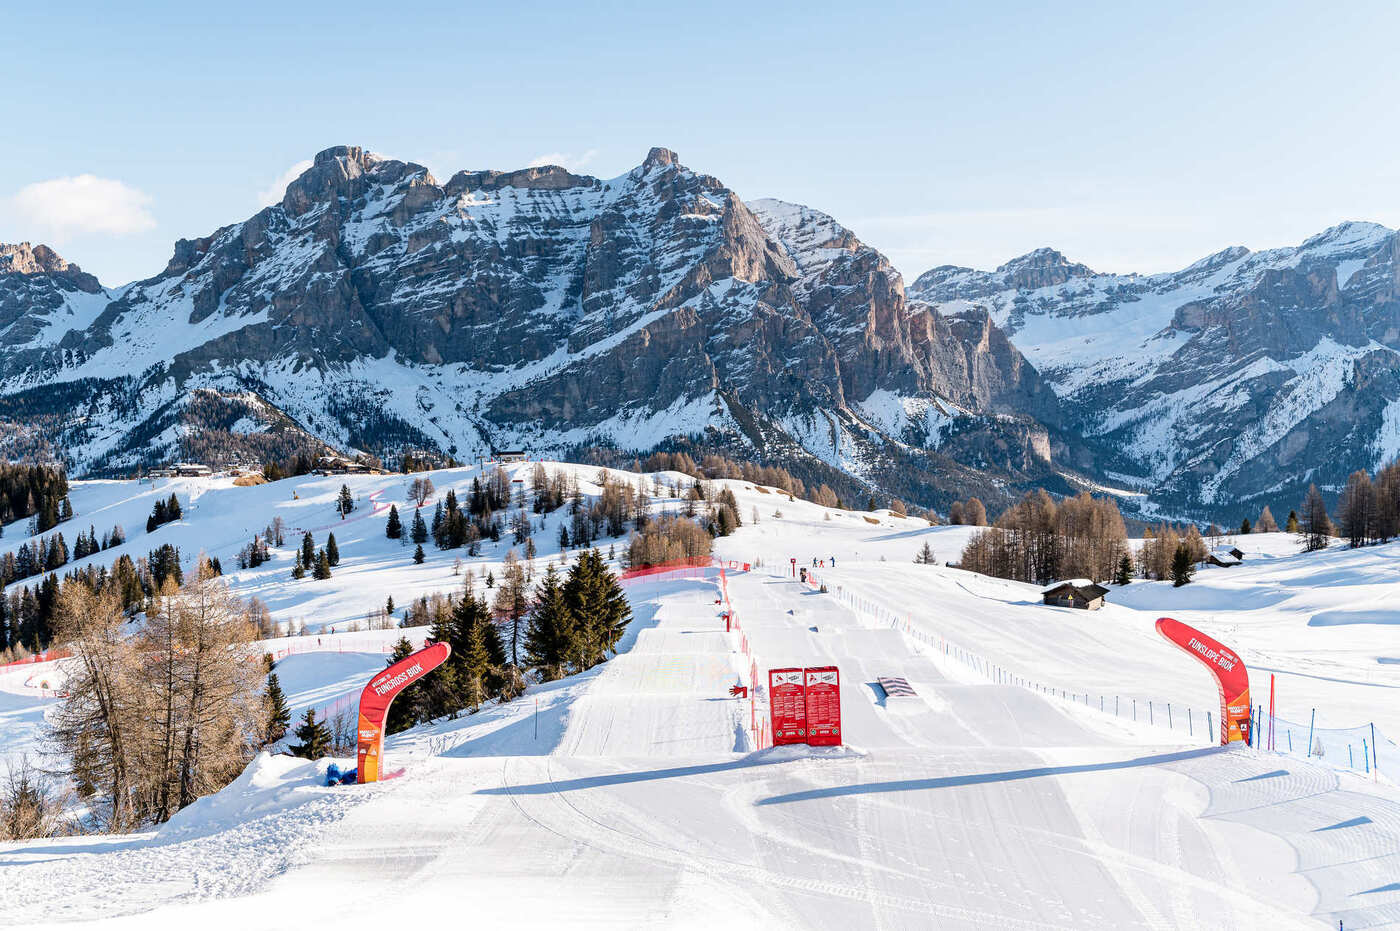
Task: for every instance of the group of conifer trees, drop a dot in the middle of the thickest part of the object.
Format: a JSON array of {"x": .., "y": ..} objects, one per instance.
[
  {"x": 164, "y": 512},
  {"x": 37, "y": 491},
  {"x": 27, "y": 611},
  {"x": 318, "y": 562},
  {"x": 565, "y": 625}
]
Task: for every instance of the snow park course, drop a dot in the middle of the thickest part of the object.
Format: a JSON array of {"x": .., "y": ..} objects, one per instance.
[{"x": 639, "y": 793}]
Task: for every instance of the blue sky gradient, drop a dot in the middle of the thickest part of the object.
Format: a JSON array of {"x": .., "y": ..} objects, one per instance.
[{"x": 1133, "y": 139}]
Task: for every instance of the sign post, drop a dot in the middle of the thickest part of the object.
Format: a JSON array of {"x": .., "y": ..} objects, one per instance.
[
  {"x": 823, "y": 686},
  {"x": 787, "y": 703},
  {"x": 376, "y": 698}
]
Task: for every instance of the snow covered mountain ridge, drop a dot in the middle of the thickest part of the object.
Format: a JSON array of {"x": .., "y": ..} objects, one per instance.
[
  {"x": 376, "y": 308},
  {"x": 1240, "y": 378}
]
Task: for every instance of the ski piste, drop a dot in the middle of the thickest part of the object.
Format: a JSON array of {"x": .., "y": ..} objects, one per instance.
[{"x": 632, "y": 795}]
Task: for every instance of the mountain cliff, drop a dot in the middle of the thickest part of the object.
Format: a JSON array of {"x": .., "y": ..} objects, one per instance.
[
  {"x": 1239, "y": 379},
  {"x": 376, "y": 309}
]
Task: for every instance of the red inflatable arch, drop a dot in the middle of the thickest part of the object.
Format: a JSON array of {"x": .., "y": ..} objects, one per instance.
[
  {"x": 376, "y": 698},
  {"x": 1229, "y": 671}
]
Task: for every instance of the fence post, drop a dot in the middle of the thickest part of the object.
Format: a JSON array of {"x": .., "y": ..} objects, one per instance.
[
  {"x": 1311, "y": 722},
  {"x": 1169, "y": 716},
  {"x": 1134, "y": 709},
  {"x": 1190, "y": 728},
  {"x": 1374, "y": 758},
  {"x": 1365, "y": 755},
  {"x": 1210, "y": 725},
  {"x": 1150, "y": 719}
]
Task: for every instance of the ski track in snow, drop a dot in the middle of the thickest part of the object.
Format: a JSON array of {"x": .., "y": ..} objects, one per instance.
[{"x": 631, "y": 798}]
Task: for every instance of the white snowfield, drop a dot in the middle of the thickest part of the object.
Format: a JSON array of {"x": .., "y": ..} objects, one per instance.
[{"x": 630, "y": 796}]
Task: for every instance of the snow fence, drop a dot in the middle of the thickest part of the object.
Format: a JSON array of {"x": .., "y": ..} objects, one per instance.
[{"x": 1362, "y": 749}]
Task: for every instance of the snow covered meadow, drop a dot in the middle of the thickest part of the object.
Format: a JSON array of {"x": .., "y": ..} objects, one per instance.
[{"x": 632, "y": 795}]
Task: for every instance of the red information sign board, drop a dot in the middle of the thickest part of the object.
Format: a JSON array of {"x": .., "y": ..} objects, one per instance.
[
  {"x": 823, "y": 706},
  {"x": 787, "y": 701}
]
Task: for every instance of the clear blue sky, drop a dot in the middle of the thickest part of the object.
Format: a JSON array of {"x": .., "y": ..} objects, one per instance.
[{"x": 1133, "y": 139}]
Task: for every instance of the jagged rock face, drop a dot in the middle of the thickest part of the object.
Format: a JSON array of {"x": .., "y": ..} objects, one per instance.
[
  {"x": 1242, "y": 377},
  {"x": 42, "y": 296},
  {"x": 377, "y": 308}
]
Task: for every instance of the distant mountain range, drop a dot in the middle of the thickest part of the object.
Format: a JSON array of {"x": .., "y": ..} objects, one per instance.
[
  {"x": 376, "y": 309},
  {"x": 1240, "y": 378}
]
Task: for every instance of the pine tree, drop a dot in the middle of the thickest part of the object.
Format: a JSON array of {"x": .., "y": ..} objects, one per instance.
[
  {"x": 476, "y": 667},
  {"x": 418, "y": 554},
  {"x": 346, "y": 502},
  {"x": 512, "y": 603},
  {"x": 393, "y": 529},
  {"x": 419, "y": 533},
  {"x": 323, "y": 566},
  {"x": 172, "y": 508},
  {"x": 389, "y": 605},
  {"x": 599, "y": 608},
  {"x": 332, "y": 551},
  {"x": 279, "y": 716},
  {"x": 1245, "y": 526},
  {"x": 298, "y": 570},
  {"x": 563, "y": 536},
  {"x": 402, "y": 711},
  {"x": 1125, "y": 570},
  {"x": 1182, "y": 566},
  {"x": 315, "y": 737},
  {"x": 925, "y": 556},
  {"x": 1292, "y": 525},
  {"x": 551, "y": 628},
  {"x": 308, "y": 550}
]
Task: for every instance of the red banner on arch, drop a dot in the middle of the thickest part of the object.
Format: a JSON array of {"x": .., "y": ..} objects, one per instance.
[
  {"x": 376, "y": 698},
  {"x": 1228, "y": 669}
]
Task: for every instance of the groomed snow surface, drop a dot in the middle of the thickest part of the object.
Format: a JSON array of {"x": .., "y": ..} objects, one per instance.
[{"x": 630, "y": 796}]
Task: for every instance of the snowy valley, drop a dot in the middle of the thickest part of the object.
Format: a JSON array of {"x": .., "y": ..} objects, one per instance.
[{"x": 1054, "y": 768}]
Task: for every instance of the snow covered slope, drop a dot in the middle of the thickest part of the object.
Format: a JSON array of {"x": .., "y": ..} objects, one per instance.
[
  {"x": 628, "y": 797},
  {"x": 1244, "y": 376}
]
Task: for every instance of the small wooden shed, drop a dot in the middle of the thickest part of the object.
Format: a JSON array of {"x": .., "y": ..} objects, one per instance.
[
  {"x": 1226, "y": 556},
  {"x": 1076, "y": 593}
]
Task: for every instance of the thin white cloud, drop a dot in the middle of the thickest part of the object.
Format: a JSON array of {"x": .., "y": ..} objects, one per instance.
[
  {"x": 84, "y": 203},
  {"x": 272, "y": 194},
  {"x": 564, "y": 160}
]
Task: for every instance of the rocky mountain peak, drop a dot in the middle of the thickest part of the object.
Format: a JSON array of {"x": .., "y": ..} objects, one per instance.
[
  {"x": 660, "y": 157},
  {"x": 24, "y": 259},
  {"x": 341, "y": 171},
  {"x": 1041, "y": 268}
]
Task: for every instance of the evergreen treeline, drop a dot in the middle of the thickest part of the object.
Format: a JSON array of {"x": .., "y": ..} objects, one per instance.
[
  {"x": 569, "y": 625},
  {"x": 38, "y": 491},
  {"x": 27, "y": 612},
  {"x": 50, "y": 553},
  {"x": 164, "y": 512}
]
